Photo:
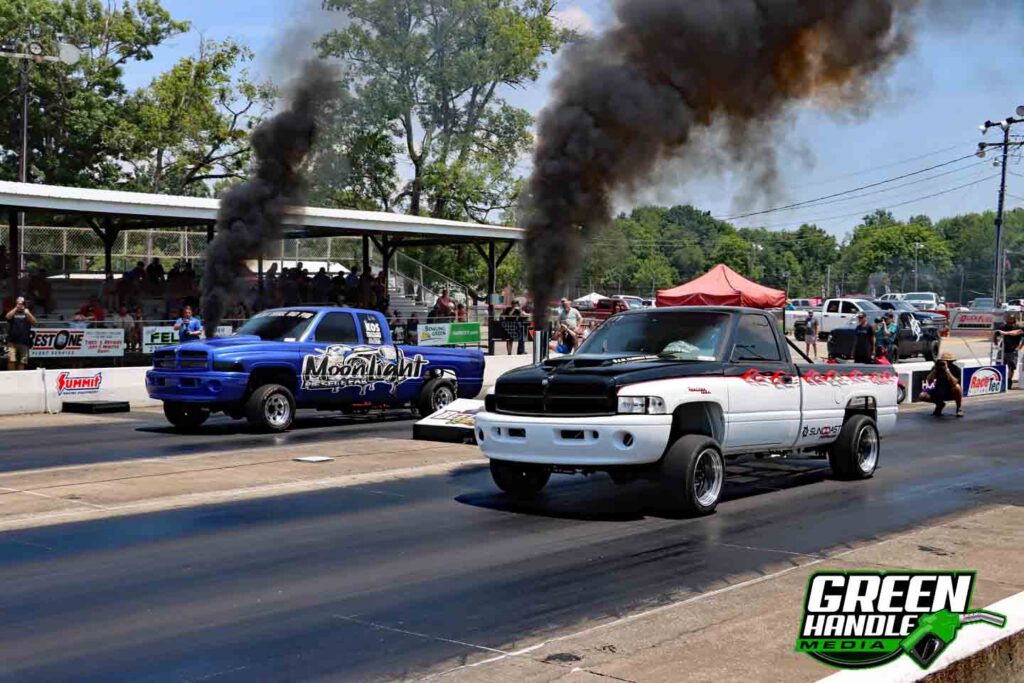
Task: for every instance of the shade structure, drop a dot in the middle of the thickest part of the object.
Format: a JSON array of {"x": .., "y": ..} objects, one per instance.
[
  {"x": 722, "y": 286},
  {"x": 590, "y": 300}
]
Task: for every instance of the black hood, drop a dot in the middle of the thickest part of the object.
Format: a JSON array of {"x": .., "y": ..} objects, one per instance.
[{"x": 620, "y": 369}]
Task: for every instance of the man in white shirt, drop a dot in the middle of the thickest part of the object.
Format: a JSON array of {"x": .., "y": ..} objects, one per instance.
[{"x": 570, "y": 316}]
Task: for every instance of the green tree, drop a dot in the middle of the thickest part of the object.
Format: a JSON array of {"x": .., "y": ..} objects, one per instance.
[
  {"x": 74, "y": 108},
  {"x": 191, "y": 125},
  {"x": 434, "y": 72}
]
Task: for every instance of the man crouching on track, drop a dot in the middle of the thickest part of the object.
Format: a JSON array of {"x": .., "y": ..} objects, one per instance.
[{"x": 941, "y": 385}]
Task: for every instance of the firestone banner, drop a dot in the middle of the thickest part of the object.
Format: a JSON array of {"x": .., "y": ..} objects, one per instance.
[{"x": 76, "y": 343}]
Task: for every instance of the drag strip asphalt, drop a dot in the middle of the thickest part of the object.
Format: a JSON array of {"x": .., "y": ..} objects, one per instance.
[
  {"x": 146, "y": 434},
  {"x": 397, "y": 579}
]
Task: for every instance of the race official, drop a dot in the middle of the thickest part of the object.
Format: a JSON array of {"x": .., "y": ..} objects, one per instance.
[
  {"x": 1010, "y": 335},
  {"x": 19, "y": 334},
  {"x": 188, "y": 326}
]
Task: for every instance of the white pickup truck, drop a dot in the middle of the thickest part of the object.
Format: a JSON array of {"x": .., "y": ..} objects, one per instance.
[
  {"x": 834, "y": 314},
  {"x": 669, "y": 393}
]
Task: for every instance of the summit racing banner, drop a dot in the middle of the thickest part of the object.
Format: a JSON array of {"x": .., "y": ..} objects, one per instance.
[
  {"x": 76, "y": 343},
  {"x": 861, "y": 619},
  {"x": 339, "y": 367}
]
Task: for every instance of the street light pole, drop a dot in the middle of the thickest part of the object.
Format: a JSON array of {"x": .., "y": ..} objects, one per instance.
[{"x": 917, "y": 249}]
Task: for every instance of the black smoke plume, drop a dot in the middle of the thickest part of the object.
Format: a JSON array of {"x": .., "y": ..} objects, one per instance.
[
  {"x": 250, "y": 215},
  {"x": 671, "y": 71}
]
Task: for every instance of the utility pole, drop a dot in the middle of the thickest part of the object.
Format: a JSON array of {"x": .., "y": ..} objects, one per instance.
[
  {"x": 998, "y": 284},
  {"x": 917, "y": 249}
]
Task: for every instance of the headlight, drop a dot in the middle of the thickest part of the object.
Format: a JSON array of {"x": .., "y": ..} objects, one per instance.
[
  {"x": 641, "y": 405},
  {"x": 228, "y": 366}
]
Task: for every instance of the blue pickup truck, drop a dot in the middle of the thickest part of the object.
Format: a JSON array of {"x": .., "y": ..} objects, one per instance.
[{"x": 307, "y": 357}]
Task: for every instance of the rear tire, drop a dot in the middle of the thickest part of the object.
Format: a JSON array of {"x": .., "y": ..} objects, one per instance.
[
  {"x": 901, "y": 393},
  {"x": 271, "y": 408},
  {"x": 522, "y": 480},
  {"x": 435, "y": 395},
  {"x": 931, "y": 352},
  {"x": 693, "y": 474},
  {"x": 184, "y": 416},
  {"x": 854, "y": 455}
]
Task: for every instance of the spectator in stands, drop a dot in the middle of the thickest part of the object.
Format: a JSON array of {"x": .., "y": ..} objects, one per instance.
[
  {"x": 124, "y": 321},
  {"x": 92, "y": 311},
  {"x": 941, "y": 385},
  {"x": 393, "y": 320},
  {"x": 412, "y": 329},
  {"x": 352, "y": 285},
  {"x": 321, "y": 287},
  {"x": 39, "y": 290},
  {"x": 109, "y": 292},
  {"x": 445, "y": 307},
  {"x": 19, "y": 334},
  {"x": 155, "y": 273},
  {"x": 365, "y": 298},
  {"x": 188, "y": 326},
  {"x": 460, "y": 313},
  {"x": 290, "y": 290},
  {"x": 1009, "y": 335},
  {"x": 140, "y": 322}
]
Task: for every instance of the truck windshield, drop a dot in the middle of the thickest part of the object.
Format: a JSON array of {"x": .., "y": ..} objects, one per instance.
[
  {"x": 277, "y": 325},
  {"x": 677, "y": 335}
]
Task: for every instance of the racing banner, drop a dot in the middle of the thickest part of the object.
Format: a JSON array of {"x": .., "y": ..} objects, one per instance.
[
  {"x": 445, "y": 334},
  {"x": 984, "y": 381},
  {"x": 967, "y": 320},
  {"x": 153, "y": 337},
  {"x": 76, "y": 343}
]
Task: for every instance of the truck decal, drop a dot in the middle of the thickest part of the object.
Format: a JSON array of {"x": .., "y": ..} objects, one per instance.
[{"x": 339, "y": 367}]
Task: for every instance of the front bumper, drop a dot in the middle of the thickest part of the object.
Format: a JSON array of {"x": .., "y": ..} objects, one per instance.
[
  {"x": 585, "y": 442},
  {"x": 197, "y": 387}
]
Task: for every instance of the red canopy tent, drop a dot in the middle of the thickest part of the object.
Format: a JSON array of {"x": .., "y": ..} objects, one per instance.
[{"x": 722, "y": 286}]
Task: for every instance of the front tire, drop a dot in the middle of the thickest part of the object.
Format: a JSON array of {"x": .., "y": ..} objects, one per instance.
[
  {"x": 271, "y": 408},
  {"x": 184, "y": 416},
  {"x": 854, "y": 455},
  {"x": 901, "y": 393},
  {"x": 435, "y": 395},
  {"x": 931, "y": 352},
  {"x": 693, "y": 474},
  {"x": 519, "y": 479}
]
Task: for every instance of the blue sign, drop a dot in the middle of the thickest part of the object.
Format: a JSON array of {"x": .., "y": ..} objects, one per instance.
[{"x": 984, "y": 381}]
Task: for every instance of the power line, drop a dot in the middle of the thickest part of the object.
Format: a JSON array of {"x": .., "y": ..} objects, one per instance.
[
  {"x": 847, "y": 191},
  {"x": 887, "y": 165}
]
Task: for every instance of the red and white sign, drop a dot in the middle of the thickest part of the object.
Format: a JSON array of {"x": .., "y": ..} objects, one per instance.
[
  {"x": 76, "y": 343},
  {"x": 966, "y": 320},
  {"x": 69, "y": 384}
]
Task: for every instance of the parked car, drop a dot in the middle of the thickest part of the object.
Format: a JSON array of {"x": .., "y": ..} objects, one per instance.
[
  {"x": 912, "y": 337},
  {"x": 632, "y": 302},
  {"x": 801, "y": 305},
  {"x": 834, "y": 314},
  {"x": 890, "y": 296},
  {"x": 925, "y": 301},
  {"x": 307, "y": 357},
  {"x": 937, "y": 320},
  {"x": 668, "y": 394},
  {"x": 606, "y": 308}
]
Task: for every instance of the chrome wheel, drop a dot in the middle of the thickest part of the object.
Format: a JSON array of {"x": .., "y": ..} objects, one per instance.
[
  {"x": 708, "y": 475},
  {"x": 277, "y": 410},
  {"x": 443, "y": 396},
  {"x": 867, "y": 450}
]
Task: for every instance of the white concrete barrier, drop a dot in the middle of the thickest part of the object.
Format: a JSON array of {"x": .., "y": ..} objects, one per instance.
[
  {"x": 97, "y": 384},
  {"x": 22, "y": 392}
]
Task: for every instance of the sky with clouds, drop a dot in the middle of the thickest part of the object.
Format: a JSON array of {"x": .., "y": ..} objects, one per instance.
[{"x": 961, "y": 70}]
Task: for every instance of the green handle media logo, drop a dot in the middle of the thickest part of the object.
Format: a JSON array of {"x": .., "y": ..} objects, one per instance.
[{"x": 861, "y": 619}]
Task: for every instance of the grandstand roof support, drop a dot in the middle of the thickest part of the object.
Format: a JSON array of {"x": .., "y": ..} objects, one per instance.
[{"x": 13, "y": 252}]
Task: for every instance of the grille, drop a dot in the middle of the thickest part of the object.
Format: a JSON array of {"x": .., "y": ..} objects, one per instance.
[
  {"x": 193, "y": 359},
  {"x": 164, "y": 360},
  {"x": 562, "y": 398}
]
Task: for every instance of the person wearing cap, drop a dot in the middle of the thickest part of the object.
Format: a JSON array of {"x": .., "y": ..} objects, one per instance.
[
  {"x": 19, "y": 334},
  {"x": 1010, "y": 336},
  {"x": 942, "y": 385},
  {"x": 863, "y": 340}
]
